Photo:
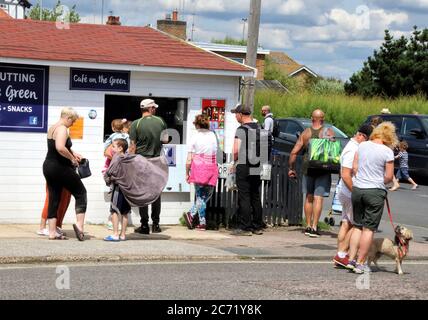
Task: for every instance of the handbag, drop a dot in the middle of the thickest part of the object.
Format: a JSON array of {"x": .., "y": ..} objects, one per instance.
[{"x": 83, "y": 169}]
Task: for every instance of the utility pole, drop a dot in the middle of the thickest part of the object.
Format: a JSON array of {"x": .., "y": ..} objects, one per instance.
[
  {"x": 102, "y": 12},
  {"x": 252, "y": 45}
]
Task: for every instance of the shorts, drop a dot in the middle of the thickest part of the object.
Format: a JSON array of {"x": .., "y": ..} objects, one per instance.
[
  {"x": 346, "y": 202},
  {"x": 318, "y": 185},
  {"x": 403, "y": 173},
  {"x": 119, "y": 205},
  {"x": 368, "y": 207}
]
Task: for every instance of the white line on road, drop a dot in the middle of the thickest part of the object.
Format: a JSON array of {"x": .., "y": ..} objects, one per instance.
[{"x": 124, "y": 263}]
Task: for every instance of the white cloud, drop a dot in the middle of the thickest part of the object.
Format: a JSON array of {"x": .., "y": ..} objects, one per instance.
[
  {"x": 275, "y": 38},
  {"x": 292, "y": 7}
]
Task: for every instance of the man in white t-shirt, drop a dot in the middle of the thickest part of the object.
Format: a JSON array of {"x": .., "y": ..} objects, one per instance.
[{"x": 344, "y": 193}]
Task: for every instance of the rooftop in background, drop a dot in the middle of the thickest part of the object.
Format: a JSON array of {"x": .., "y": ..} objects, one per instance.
[
  {"x": 218, "y": 47},
  {"x": 288, "y": 65},
  {"x": 120, "y": 45}
]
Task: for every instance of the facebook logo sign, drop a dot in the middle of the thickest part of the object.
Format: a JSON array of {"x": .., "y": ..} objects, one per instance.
[{"x": 33, "y": 121}]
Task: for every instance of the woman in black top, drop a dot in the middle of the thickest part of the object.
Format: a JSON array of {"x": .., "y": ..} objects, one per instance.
[{"x": 59, "y": 170}]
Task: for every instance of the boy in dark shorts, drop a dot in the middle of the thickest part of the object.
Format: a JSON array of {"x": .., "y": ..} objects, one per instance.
[{"x": 119, "y": 205}]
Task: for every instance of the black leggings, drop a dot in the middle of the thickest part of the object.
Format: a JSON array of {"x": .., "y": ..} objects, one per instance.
[{"x": 58, "y": 177}]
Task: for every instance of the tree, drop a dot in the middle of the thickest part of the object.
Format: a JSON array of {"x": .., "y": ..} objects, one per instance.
[
  {"x": 54, "y": 14},
  {"x": 399, "y": 67}
]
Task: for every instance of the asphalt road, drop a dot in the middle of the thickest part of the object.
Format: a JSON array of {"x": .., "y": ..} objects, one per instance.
[
  {"x": 274, "y": 280},
  {"x": 409, "y": 208}
]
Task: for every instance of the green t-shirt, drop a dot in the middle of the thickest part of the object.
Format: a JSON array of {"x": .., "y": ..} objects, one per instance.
[{"x": 146, "y": 133}]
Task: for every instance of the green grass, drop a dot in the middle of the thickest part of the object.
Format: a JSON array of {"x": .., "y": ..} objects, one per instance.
[{"x": 345, "y": 112}]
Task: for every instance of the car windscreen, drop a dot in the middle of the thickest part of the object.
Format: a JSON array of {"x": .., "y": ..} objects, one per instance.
[{"x": 337, "y": 132}]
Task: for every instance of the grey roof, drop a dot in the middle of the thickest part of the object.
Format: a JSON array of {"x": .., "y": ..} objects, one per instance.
[{"x": 270, "y": 85}]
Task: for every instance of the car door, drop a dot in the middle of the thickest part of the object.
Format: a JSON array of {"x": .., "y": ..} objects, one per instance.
[
  {"x": 279, "y": 143},
  {"x": 414, "y": 133}
]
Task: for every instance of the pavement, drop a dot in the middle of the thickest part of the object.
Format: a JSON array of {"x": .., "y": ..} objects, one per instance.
[{"x": 20, "y": 244}]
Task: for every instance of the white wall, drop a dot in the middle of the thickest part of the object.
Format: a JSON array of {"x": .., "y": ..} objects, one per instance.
[{"x": 22, "y": 185}]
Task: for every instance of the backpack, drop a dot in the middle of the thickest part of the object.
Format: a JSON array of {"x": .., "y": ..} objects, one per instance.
[
  {"x": 260, "y": 148},
  {"x": 324, "y": 154}
]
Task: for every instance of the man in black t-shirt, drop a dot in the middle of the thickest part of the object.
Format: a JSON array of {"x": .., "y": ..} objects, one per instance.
[{"x": 248, "y": 154}]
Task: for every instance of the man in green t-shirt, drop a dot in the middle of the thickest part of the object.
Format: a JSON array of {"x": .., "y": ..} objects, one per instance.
[{"x": 147, "y": 135}]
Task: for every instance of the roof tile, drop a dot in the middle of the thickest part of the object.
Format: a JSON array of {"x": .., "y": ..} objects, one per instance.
[{"x": 146, "y": 46}]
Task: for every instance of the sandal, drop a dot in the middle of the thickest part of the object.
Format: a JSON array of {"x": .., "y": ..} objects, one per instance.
[
  {"x": 79, "y": 234},
  {"x": 59, "y": 237}
]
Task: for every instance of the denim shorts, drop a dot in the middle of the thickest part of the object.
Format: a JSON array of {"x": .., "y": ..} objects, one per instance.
[
  {"x": 318, "y": 185},
  {"x": 403, "y": 173}
]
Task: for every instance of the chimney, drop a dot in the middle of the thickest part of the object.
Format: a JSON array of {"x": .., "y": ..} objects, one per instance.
[
  {"x": 175, "y": 15},
  {"x": 113, "y": 21},
  {"x": 173, "y": 26}
]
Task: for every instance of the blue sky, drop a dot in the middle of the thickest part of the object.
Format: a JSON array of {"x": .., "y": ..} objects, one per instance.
[{"x": 333, "y": 38}]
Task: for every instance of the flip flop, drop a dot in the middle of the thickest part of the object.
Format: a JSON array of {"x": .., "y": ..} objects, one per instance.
[
  {"x": 59, "y": 237},
  {"x": 111, "y": 239},
  {"x": 79, "y": 234}
]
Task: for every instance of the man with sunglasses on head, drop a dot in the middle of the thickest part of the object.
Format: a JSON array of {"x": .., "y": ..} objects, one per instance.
[
  {"x": 316, "y": 183},
  {"x": 344, "y": 192}
]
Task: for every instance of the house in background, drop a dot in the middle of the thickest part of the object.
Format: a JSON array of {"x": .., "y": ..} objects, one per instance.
[
  {"x": 14, "y": 8},
  {"x": 173, "y": 26},
  {"x": 291, "y": 67},
  {"x": 237, "y": 53}
]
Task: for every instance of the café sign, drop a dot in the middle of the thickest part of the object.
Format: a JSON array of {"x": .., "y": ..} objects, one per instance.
[{"x": 99, "y": 80}]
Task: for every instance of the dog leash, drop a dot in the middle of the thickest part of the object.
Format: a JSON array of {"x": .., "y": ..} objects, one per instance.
[{"x": 400, "y": 248}]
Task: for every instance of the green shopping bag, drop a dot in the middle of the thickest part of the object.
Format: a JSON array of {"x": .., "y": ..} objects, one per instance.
[{"x": 324, "y": 154}]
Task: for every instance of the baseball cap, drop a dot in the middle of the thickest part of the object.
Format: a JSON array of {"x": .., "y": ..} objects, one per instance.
[
  {"x": 148, "y": 103},
  {"x": 366, "y": 129},
  {"x": 240, "y": 108}
]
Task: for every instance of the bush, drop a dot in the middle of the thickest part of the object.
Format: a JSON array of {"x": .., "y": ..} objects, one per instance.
[
  {"x": 345, "y": 112},
  {"x": 328, "y": 86}
]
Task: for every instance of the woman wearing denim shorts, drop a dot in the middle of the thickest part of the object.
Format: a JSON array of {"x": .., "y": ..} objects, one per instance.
[{"x": 374, "y": 167}]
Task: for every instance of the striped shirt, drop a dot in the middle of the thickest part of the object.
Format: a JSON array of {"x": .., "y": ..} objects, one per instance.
[{"x": 404, "y": 159}]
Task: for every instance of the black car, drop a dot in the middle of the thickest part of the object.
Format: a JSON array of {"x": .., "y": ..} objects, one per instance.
[
  {"x": 414, "y": 129},
  {"x": 288, "y": 130}
]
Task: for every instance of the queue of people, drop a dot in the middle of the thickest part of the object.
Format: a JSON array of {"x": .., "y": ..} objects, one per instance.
[{"x": 137, "y": 174}]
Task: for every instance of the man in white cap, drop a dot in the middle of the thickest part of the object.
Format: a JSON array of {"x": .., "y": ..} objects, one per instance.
[{"x": 147, "y": 136}]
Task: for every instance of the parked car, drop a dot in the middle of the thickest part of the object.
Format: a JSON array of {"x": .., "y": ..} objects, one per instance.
[
  {"x": 414, "y": 129},
  {"x": 288, "y": 131}
]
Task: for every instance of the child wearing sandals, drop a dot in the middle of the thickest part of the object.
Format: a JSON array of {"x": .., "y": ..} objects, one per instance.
[
  {"x": 119, "y": 206},
  {"x": 403, "y": 171}
]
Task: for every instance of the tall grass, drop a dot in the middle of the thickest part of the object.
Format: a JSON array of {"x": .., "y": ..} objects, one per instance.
[{"x": 345, "y": 112}]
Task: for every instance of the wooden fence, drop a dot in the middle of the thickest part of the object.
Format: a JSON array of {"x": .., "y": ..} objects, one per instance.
[{"x": 282, "y": 198}]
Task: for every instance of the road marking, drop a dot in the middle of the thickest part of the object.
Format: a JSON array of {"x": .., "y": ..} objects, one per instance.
[{"x": 124, "y": 263}]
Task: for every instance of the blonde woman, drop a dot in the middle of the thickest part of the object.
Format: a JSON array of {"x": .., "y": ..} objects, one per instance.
[
  {"x": 374, "y": 167},
  {"x": 59, "y": 171}
]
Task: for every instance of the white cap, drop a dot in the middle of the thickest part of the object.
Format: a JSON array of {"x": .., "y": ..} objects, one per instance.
[{"x": 148, "y": 103}]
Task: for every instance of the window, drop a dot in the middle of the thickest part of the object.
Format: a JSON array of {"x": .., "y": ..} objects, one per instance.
[
  {"x": 409, "y": 124},
  {"x": 293, "y": 128},
  {"x": 282, "y": 125},
  {"x": 397, "y": 121},
  {"x": 240, "y": 60}
]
